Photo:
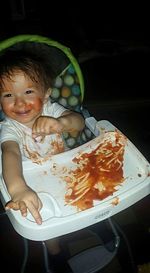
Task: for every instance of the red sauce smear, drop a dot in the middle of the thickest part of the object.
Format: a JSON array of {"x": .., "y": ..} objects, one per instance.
[{"x": 97, "y": 173}]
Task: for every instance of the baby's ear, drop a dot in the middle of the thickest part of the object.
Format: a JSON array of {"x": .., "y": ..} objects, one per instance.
[{"x": 48, "y": 93}]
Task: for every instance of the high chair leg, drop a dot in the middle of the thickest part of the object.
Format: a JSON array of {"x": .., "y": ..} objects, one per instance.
[
  {"x": 25, "y": 255},
  {"x": 46, "y": 260},
  {"x": 26, "y": 252}
]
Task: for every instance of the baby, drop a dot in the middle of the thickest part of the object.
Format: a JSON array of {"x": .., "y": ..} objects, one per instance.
[{"x": 32, "y": 124}]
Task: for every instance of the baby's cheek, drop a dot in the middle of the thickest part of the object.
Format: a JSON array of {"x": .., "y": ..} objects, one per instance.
[{"x": 38, "y": 104}]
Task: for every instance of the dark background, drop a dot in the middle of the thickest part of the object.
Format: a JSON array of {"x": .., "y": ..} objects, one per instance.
[
  {"x": 111, "y": 41},
  {"x": 114, "y": 35},
  {"x": 76, "y": 23}
]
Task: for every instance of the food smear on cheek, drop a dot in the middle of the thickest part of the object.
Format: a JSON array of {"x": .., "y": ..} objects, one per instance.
[
  {"x": 37, "y": 104},
  {"x": 97, "y": 174},
  {"x": 29, "y": 106}
]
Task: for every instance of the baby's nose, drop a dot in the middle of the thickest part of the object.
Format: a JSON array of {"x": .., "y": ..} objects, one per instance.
[{"x": 19, "y": 101}]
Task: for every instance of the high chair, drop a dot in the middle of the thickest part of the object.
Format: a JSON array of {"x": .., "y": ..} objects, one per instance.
[{"x": 68, "y": 90}]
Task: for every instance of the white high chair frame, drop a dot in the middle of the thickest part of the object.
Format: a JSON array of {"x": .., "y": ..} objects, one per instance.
[{"x": 94, "y": 259}]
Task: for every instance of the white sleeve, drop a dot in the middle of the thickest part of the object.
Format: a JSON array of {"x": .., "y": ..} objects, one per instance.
[
  {"x": 6, "y": 134},
  {"x": 55, "y": 110}
]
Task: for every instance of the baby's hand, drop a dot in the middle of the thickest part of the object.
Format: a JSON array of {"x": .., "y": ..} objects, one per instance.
[
  {"x": 45, "y": 125},
  {"x": 26, "y": 200}
]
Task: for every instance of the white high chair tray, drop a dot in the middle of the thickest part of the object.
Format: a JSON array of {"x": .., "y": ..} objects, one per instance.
[{"x": 49, "y": 180}]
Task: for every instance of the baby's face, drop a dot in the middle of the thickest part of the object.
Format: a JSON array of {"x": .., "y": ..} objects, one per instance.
[{"x": 22, "y": 99}]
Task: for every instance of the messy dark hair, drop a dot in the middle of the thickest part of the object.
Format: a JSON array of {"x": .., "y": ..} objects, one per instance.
[{"x": 29, "y": 63}]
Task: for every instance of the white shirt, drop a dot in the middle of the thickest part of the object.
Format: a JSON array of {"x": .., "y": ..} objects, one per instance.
[{"x": 36, "y": 151}]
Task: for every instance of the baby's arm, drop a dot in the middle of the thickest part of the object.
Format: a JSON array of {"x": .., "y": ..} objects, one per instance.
[
  {"x": 71, "y": 121},
  {"x": 23, "y": 198},
  {"x": 67, "y": 122}
]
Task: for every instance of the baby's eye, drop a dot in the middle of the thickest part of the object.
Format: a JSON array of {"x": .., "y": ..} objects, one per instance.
[
  {"x": 29, "y": 91},
  {"x": 7, "y": 95}
]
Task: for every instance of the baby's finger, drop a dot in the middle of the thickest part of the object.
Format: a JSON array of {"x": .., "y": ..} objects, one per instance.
[
  {"x": 12, "y": 205},
  {"x": 35, "y": 213},
  {"x": 40, "y": 204},
  {"x": 23, "y": 208}
]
